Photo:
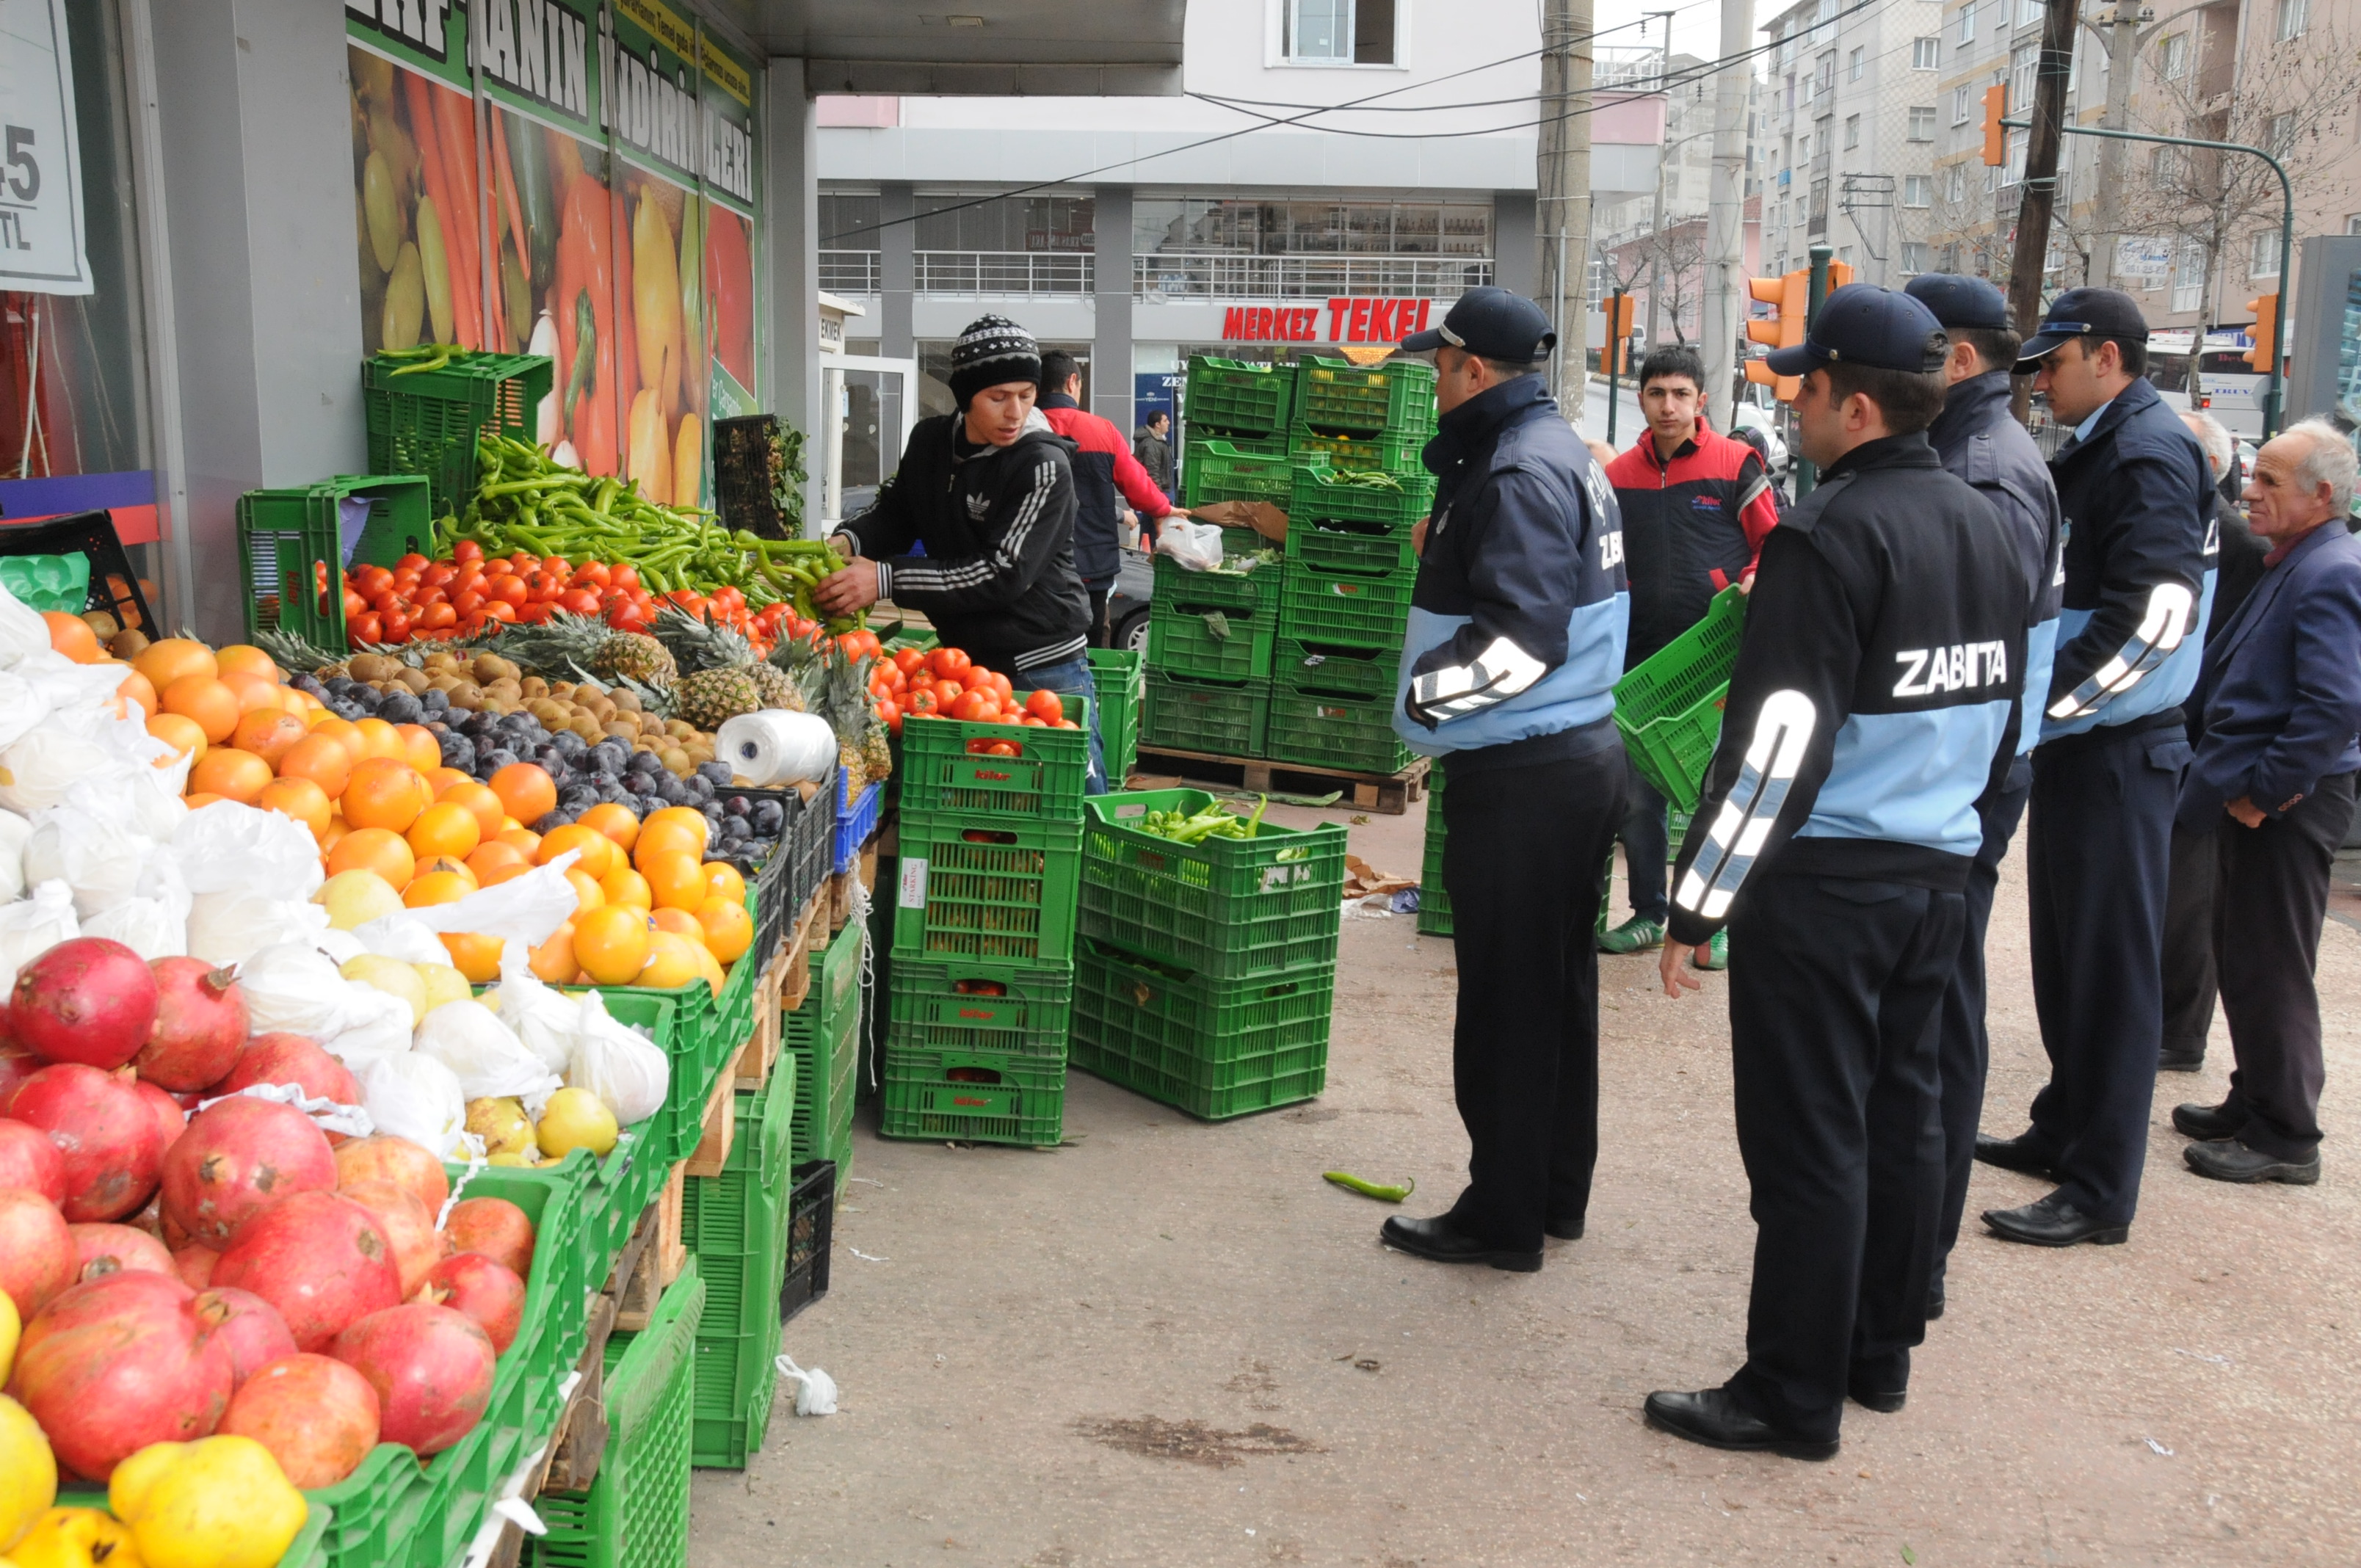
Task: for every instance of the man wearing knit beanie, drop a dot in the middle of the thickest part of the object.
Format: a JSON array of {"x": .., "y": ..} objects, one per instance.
[{"x": 989, "y": 491}]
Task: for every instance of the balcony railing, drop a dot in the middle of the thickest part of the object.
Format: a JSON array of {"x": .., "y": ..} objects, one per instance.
[
  {"x": 850, "y": 271},
  {"x": 1230, "y": 275},
  {"x": 1037, "y": 273}
]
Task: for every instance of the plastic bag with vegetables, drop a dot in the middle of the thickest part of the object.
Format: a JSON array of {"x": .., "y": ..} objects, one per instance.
[
  {"x": 294, "y": 987},
  {"x": 31, "y": 927},
  {"x": 97, "y": 856},
  {"x": 154, "y": 921},
  {"x": 42, "y": 767},
  {"x": 226, "y": 928},
  {"x": 226, "y": 847},
  {"x": 14, "y": 831},
  {"x": 485, "y": 1055},
  {"x": 619, "y": 1065},
  {"x": 21, "y": 708},
  {"x": 543, "y": 1018},
  {"x": 416, "y": 1097},
  {"x": 22, "y": 631}
]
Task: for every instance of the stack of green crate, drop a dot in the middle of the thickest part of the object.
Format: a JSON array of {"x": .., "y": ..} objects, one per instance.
[
  {"x": 1209, "y": 641},
  {"x": 736, "y": 1225},
  {"x": 1120, "y": 677},
  {"x": 983, "y": 932},
  {"x": 1206, "y": 970},
  {"x": 1433, "y": 902},
  {"x": 823, "y": 1035}
]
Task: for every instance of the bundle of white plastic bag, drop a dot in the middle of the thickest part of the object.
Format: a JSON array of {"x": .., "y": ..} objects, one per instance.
[
  {"x": 413, "y": 1096},
  {"x": 485, "y": 1056},
  {"x": 250, "y": 876},
  {"x": 574, "y": 1034},
  {"x": 14, "y": 831},
  {"x": 31, "y": 927},
  {"x": 294, "y": 987}
]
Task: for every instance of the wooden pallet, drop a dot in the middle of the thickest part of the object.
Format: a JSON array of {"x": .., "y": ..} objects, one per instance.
[
  {"x": 1389, "y": 794},
  {"x": 795, "y": 965},
  {"x": 840, "y": 886},
  {"x": 720, "y": 1128},
  {"x": 750, "y": 1068}
]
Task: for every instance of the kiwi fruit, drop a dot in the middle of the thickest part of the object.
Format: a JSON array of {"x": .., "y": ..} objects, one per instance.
[
  {"x": 674, "y": 759},
  {"x": 102, "y": 625},
  {"x": 587, "y": 725},
  {"x": 622, "y": 731},
  {"x": 415, "y": 681},
  {"x": 441, "y": 681},
  {"x": 679, "y": 729},
  {"x": 127, "y": 643},
  {"x": 465, "y": 694},
  {"x": 507, "y": 689},
  {"x": 491, "y": 669},
  {"x": 534, "y": 686},
  {"x": 625, "y": 699}
]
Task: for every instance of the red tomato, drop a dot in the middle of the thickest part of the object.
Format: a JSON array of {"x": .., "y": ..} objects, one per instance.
[
  {"x": 978, "y": 679},
  {"x": 948, "y": 662},
  {"x": 908, "y": 660},
  {"x": 593, "y": 574},
  {"x": 890, "y": 715},
  {"x": 624, "y": 576},
  {"x": 1001, "y": 749},
  {"x": 354, "y": 604},
  {"x": 366, "y": 626},
  {"x": 466, "y": 550},
  {"x": 536, "y": 612},
  {"x": 1065, "y": 724},
  {"x": 1045, "y": 705},
  {"x": 397, "y": 627},
  {"x": 922, "y": 702},
  {"x": 557, "y": 564},
  {"x": 500, "y": 609},
  {"x": 467, "y": 601},
  {"x": 509, "y": 589},
  {"x": 438, "y": 616},
  {"x": 439, "y": 572},
  {"x": 1008, "y": 693},
  {"x": 578, "y": 601},
  {"x": 974, "y": 707},
  {"x": 414, "y": 562},
  {"x": 545, "y": 586}
]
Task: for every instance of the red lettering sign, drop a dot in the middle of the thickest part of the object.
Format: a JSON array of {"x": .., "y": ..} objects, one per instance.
[
  {"x": 982, "y": 1013},
  {"x": 988, "y": 774},
  {"x": 1350, "y": 319}
]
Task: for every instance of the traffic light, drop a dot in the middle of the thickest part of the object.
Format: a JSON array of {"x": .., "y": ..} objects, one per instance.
[
  {"x": 1789, "y": 298},
  {"x": 1995, "y": 134},
  {"x": 1617, "y": 346},
  {"x": 2265, "y": 331},
  {"x": 1839, "y": 274}
]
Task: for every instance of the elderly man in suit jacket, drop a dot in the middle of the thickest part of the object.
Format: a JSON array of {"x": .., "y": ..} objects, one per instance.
[{"x": 2280, "y": 700}]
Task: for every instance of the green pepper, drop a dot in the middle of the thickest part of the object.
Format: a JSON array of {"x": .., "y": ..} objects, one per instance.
[{"x": 1346, "y": 1179}]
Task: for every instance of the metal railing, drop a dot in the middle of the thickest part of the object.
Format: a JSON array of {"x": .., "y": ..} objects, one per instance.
[
  {"x": 1021, "y": 272},
  {"x": 851, "y": 271},
  {"x": 1230, "y": 275}
]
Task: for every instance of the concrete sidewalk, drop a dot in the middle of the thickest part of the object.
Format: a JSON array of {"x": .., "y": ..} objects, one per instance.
[{"x": 1172, "y": 1345}]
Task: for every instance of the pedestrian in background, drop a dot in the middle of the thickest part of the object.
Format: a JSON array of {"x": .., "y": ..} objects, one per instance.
[
  {"x": 1873, "y": 709},
  {"x": 1152, "y": 444},
  {"x": 1508, "y": 667},
  {"x": 1977, "y": 437},
  {"x": 2138, "y": 500},
  {"x": 1105, "y": 476},
  {"x": 2280, "y": 710}
]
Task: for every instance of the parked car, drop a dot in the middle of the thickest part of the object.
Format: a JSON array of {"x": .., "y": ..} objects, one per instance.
[
  {"x": 1128, "y": 605},
  {"x": 1767, "y": 421}
]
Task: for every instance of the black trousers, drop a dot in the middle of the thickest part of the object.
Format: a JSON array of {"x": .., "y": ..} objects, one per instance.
[
  {"x": 2187, "y": 972},
  {"x": 1646, "y": 834},
  {"x": 1964, "y": 1053},
  {"x": 2098, "y": 850},
  {"x": 1834, "y": 985},
  {"x": 2274, "y": 894},
  {"x": 1098, "y": 632},
  {"x": 1522, "y": 862}
]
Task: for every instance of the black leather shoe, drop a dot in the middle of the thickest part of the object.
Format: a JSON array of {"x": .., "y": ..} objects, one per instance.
[
  {"x": 2053, "y": 1221},
  {"x": 1884, "y": 1401},
  {"x": 1710, "y": 1415},
  {"x": 2208, "y": 1121},
  {"x": 1564, "y": 1230},
  {"x": 2233, "y": 1160},
  {"x": 2014, "y": 1154},
  {"x": 1439, "y": 1241},
  {"x": 2170, "y": 1060}
]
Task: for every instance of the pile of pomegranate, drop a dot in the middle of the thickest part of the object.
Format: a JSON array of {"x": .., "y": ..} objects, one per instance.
[{"x": 189, "y": 1258}]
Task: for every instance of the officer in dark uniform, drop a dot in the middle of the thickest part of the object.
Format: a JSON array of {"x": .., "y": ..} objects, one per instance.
[
  {"x": 1873, "y": 707},
  {"x": 2137, "y": 499}
]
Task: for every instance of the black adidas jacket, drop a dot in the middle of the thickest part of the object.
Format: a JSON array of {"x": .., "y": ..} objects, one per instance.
[{"x": 998, "y": 577}]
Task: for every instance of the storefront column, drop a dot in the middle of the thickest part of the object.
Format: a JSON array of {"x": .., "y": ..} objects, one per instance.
[
  {"x": 266, "y": 335},
  {"x": 1111, "y": 384},
  {"x": 1513, "y": 241},
  {"x": 897, "y": 270},
  {"x": 791, "y": 162}
]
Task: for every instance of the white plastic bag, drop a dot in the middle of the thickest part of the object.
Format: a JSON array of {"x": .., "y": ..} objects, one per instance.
[
  {"x": 613, "y": 1061},
  {"x": 398, "y": 936},
  {"x": 375, "y": 1024},
  {"x": 485, "y": 1055},
  {"x": 149, "y": 927},
  {"x": 22, "y": 631},
  {"x": 96, "y": 855},
  {"x": 416, "y": 1097},
  {"x": 522, "y": 909},
  {"x": 1196, "y": 546},
  {"x": 21, "y": 707},
  {"x": 41, "y": 768},
  {"x": 227, "y": 847},
  {"x": 815, "y": 1390},
  {"x": 229, "y": 927},
  {"x": 294, "y": 987},
  {"x": 31, "y": 927},
  {"x": 544, "y": 1019},
  {"x": 14, "y": 831}
]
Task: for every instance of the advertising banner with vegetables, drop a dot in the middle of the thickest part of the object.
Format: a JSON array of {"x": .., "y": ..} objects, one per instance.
[{"x": 728, "y": 238}]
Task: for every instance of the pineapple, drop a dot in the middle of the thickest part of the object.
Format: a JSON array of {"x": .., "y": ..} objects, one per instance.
[
  {"x": 776, "y": 687},
  {"x": 845, "y": 706},
  {"x": 877, "y": 751},
  {"x": 709, "y": 697},
  {"x": 555, "y": 645},
  {"x": 699, "y": 644},
  {"x": 634, "y": 656},
  {"x": 292, "y": 653}
]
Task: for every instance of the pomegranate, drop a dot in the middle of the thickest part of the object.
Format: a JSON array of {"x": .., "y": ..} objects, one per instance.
[
  {"x": 168, "y": 1112},
  {"x": 113, "y": 1366},
  {"x": 201, "y": 1025},
  {"x": 407, "y": 1224},
  {"x": 316, "y": 1416},
  {"x": 291, "y": 1058},
  {"x": 90, "y": 1000},
  {"x": 239, "y": 1156},
  {"x": 388, "y": 1158},
  {"x": 195, "y": 1265},
  {"x": 102, "y": 1250},
  {"x": 111, "y": 1140},
  {"x": 486, "y": 1291},
  {"x": 256, "y": 1335},
  {"x": 495, "y": 1227},
  {"x": 37, "y": 1256},
  {"x": 432, "y": 1368},
  {"x": 27, "y": 1159},
  {"x": 16, "y": 1065},
  {"x": 319, "y": 1259}
]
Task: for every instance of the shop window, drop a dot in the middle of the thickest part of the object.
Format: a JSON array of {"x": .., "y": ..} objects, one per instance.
[
  {"x": 1283, "y": 227},
  {"x": 1340, "y": 32},
  {"x": 955, "y": 222}
]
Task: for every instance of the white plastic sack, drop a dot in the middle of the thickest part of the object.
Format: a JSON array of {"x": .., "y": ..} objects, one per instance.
[
  {"x": 227, "y": 847},
  {"x": 31, "y": 927},
  {"x": 815, "y": 1390},
  {"x": 229, "y": 927},
  {"x": 137, "y": 797},
  {"x": 485, "y": 1055},
  {"x": 21, "y": 708},
  {"x": 22, "y": 630},
  {"x": 14, "y": 831},
  {"x": 525, "y": 909},
  {"x": 400, "y": 936},
  {"x": 543, "y": 1018},
  {"x": 375, "y": 1024},
  {"x": 416, "y": 1097},
  {"x": 96, "y": 855},
  {"x": 149, "y": 927},
  {"x": 1196, "y": 546},
  {"x": 615, "y": 1062},
  {"x": 41, "y": 768},
  {"x": 294, "y": 987}
]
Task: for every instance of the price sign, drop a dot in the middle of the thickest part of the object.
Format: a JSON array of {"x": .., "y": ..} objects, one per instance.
[{"x": 40, "y": 161}]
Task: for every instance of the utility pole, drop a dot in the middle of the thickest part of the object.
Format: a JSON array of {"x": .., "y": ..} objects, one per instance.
[
  {"x": 1725, "y": 221},
  {"x": 1665, "y": 146},
  {"x": 2123, "y": 59},
  {"x": 1563, "y": 188},
  {"x": 2040, "y": 186}
]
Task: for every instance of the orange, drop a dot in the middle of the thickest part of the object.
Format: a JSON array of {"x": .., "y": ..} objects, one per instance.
[
  {"x": 230, "y": 773},
  {"x": 253, "y": 692},
  {"x": 71, "y": 635},
  {"x": 691, "y": 820},
  {"x": 554, "y": 961},
  {"x": 346, "y": 732},
  {"x": 615, "y": 821},
  {"x": 672, "y": 961},
  {"x": 490, "y": 855},
  {"x": 300, "y": 798},
  {"x": 679, "y": 922},
  {"x": 335, "y": 834},
  {"x": 716, "y": 977},
  {"x": 319, "y": 757},
  {"x": 419, "y": 746},
  {"x": 523, "y": 840},
  {"x": 506, "y": 871},
  {"x": 722, "y": 882},
  {"x": 659, "y": 839},
  {"x": 729, "y": 929},
  {"x": 137, "y": 687},
  {"x": 205, "y": 699},
  {"x": 586, "y": 894},
  {"x": 183, "y": 734},
  {"x": 379, "y": 849},
  {"x": 194, "y": 802},
  {"x": 386, "y": 793},
  {"x": 435, "y": 887},
  {"x": 270, "y": 733},
  {"x": 624, "y": 885},
  {"x": 525, "y": 792},
  {"x": 440, "y": 779},
  {"x": 612, "y": 943},
  {"x": 596, "y": 851},
  {"x": 443, "y": 828},
  {"x": 244, "y": 658},
  {"x": 480, "y": 803},
  {"x": 298, "y": 702},
  {"x": 476, "y": 956},
  {"x": 431, "y": 865},
  {"x": 165, "y": 661},
  {"x": 380, "y": 739},
  {"x": 675, "y": 879}
]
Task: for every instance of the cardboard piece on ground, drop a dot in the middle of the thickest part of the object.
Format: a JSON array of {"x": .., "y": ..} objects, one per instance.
[
  {"x": 1264, "y": 518},
  {"x": 1362, "y": 879}
]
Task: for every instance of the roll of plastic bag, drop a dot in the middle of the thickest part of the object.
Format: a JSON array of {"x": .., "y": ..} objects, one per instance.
[{"x": 775, "y": 748}]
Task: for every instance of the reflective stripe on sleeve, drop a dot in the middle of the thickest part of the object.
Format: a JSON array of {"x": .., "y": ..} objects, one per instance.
[
  {"x": 1498, "y": 673},
  {"x": 1783, "y": 733},
  {"x": 2170, "y": 610}
]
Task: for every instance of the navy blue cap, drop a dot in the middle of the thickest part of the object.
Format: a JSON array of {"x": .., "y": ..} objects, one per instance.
[
  {"x": 1959, "y": 301},
  {"x": 1491, "y": 322},
  {"x": 1862, "y": 323},
  {"x": 2083, "y": 312}
]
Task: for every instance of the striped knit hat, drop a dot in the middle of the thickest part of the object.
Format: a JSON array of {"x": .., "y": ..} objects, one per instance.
[{"x": 992, "y": 350}]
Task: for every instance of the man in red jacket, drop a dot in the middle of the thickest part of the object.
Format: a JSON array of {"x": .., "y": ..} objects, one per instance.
[{"x": 1103, "y": 466}]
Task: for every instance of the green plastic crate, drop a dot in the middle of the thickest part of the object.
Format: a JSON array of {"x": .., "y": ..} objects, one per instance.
[
  {"x": 947, "y": 766},
  {"x": 428, "y": 422},
  {"x": 993, "y": 1099},
  {"x": 1121, "y": 676},
  {"x": 823, "y": 1054},
  {"x": 1214, "y": 1048},
  {"x": 1320, "y": 495},
  {"x": 1433, "y": 902},
  {"x": 1212, "y": 716},
  {"x": 1397, "y": 454},
  {"x": 736, "y": 1225},
  {"x": 1668, "y": 707},
  {"x": 294, "y": 544},
  {"x": 1260, "y": 589},
  {"x": 1238, "y": 395},
  {"x": 308, "y": 1550},
  {"x": 1021, "y": 1010},
  {"x": 1228, "y": 908},
  {"x": 635, "y": 1514},
  {"x": 615, "y": 1190},
  {"x": 1217, "y": 469},
  {"x": 1210, "y": 642},
  {"x": 1345, "y": 611},
  {"x": 1393, "y": 397},
  {"x": 1329, "y": 731},
  {"x": 1360, "y": 672},
  {"x": 1356, "y": 550},
  {"x": 972, "y": 888}
]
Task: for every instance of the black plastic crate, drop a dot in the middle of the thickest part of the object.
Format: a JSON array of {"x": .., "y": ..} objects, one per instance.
[
  {"x": 114, "y": 586},
  {"x": 812, "y": 1227}
]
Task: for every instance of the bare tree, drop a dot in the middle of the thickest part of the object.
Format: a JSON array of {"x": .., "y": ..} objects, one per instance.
[{"x": 1679, "y": 255}]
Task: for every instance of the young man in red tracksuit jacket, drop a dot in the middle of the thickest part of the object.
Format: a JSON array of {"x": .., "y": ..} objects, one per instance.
[
  {"x": 1103, "y": 469},
  {"x": 1696, "y": 506}
]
